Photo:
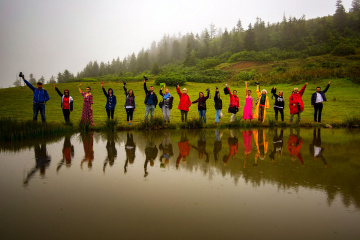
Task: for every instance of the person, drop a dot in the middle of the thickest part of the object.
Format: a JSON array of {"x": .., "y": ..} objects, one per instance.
[
  {"x": 88, "y": 143},
  {"x": 87, "y": 112},
  {"x": 110, "y": 102},
  {"x": 150, "y": 102},
  {"x": 317, "y": 99},
  {"x": 184, "y": 148},
  {"x": 262, "y": 104},
  {"x": 202, "y": 105},
  {"x": 261, "y": 144},
  {"x": 218, "y": 105},
  {"x": 111, "y": 150},
  {"x": 296, "y": 104},
  {"x": 217, "y": 145},
  {"x": 294, "y": 146},
  {"x": 68, "y": 153},
  {"x": 278, "y": 145},
  {"x": 315, "y": 148},
  {"x": 66, "y": 103},
  {"x": 233, "y": 147},
  {"x": 234, "y": 104},
  {"x": 167, "y": 104},
  {"x": 201, "y": 146},
  {"x": 167, "y": 150},
  {"x": 279, "y": 103},
  {"x": 184, "y": 103},
  {"x": 41, "y": 96},
  {"x": 248, "y": 114},
  {"x": 130, "y": 149},
  {"x": 247, "y": 140},
  {"x": 129, "y": 104}
]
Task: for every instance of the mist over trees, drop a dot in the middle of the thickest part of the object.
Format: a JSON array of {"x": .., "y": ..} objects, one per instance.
[{"x": 215, "y": 45}]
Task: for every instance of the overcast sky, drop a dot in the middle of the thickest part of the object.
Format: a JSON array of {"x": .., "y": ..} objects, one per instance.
[{"x": 45, "y": 37}]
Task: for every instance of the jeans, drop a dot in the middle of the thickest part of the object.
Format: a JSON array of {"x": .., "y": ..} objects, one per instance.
[
  {"x": 149, "y": 109},
  {"x": 281, "y": 110},
  {"x": 166, "y": 113},
  {"x": 39, "y": 107},
  {"x": 217, "y": 117},
  {"x": 110, "y": 112},
  {"x": 202, "y": 114},
  {"x": 129, "y": 114},
  {"x": 66, "y": 113},
  {"x": 292, "y": 116},
  {"x": 183, "y": 115},
  {"x": 318, "y": 108}
]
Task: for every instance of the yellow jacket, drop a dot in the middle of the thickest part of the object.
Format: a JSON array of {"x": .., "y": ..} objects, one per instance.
[{"x": 256, "y": 114}]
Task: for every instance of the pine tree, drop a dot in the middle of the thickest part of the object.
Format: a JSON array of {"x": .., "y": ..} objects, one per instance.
[
  {"x": 340, "y": 18},
  {"x": 212, "y": 30},
  {"x": 355, "y": 6},
  {"x": 239, "y": 27},
  {"x": 32, "y": 80},
  {"x": 250, "y": 39},
  {"x": 155, "y": 70},
  {"x": 42, "y": 79}
]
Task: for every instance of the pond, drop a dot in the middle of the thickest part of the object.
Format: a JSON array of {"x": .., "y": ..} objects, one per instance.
[{"x": 194, "y": 184}]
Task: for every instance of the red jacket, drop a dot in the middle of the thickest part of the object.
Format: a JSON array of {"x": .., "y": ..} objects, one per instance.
[
  {"x": 296, "y": 98},
  {"x": 234, "y": 101},
  {"x": 184, "y": 148},
  {"x": 294, "y": 147},
  {"x": 185, "y": 102}
]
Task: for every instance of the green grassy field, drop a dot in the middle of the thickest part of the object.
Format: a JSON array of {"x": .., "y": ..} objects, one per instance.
[{"x": 17, "y": 101}]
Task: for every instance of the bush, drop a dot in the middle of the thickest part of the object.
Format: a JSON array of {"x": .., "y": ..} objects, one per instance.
[
  {"x": 171, "y": 80},
  {"x": 343, "y": 50},
  {"x": 317, "y": 50},
  {"x": 246, "y": 76},
  {"x": 208, "y": 63}
]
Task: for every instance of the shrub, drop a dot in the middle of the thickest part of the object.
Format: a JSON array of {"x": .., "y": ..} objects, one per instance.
[
  {"x": 208, "y": 63},
  {"x": 171, "y": 80},
  {"x": 246, "y": 76},
  {"x": 343, "y": 50}
]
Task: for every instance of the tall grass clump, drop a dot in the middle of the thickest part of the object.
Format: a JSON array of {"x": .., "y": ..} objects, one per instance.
[
  {"x": 353, "y": 121},
  {"x": 192, "y": 123},
  {"x": 110, "y": 125},
  {"x": 155, "y": 123}
]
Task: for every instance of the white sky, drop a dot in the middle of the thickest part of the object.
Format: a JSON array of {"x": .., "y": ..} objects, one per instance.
[{"x": 45, "y": 37}]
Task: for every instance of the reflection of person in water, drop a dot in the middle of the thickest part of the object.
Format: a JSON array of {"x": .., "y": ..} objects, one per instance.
[
  {"x": 294, "y": 146},
  {"x": 184, "y": 148},
  {"x": 68, "y": 153},
  {"x": 247, "y": 139},
  {"x": 278, "y": 145},
  {"x": 167, "y": 150},
  {"x": 201, "y": 146},
  {"x": 130, "y": 148},
  {"x": 88, "y": 142},
  {"x": 42, "y": 162},
  {"x": 233, "y": 147},
  {"x": 217, "y": 145},
  {"x": 261, "y": 144},
  {"x": 111, "y": 151},
  {"x": 151, "y": 153},
  {"x": 315, "y": 147}
]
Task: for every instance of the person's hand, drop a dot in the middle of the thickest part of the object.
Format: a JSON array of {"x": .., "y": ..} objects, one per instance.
[
  {"x": 294, "y": 105},
  {"x": 161, "y": 88},
  {"x": 177, "y": 86},
  {"x": 306, "y": 83},
  {"x": 329, "y": 83},
  {"x": 79, "y": 84},
  {"x": 102, "y": 85},
  {"x": 312, "y": 105},
  {"x": 54, "y": 85}
]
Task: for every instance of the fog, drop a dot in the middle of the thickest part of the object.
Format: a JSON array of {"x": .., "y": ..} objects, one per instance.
[{"x": 46, "y": 37}]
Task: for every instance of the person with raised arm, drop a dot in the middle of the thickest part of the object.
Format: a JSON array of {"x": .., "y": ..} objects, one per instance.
[
  {"x": 317, "y": 99},
  {"x": 218, "y": 105},
  {"x": 151, "y": 101},
  {"x": 279, "y": 103},
  {"x": 234, "y": 103},
  {"x": 202, "y": 104},
  {"x": 110, "y": 102},
  {"x": 248, "y": 113},
  {"x": 129, "y": 104},
  {"x": 296, "y": 104},
  {"x": 184, "y": 103},
  {"x": 87, "y": 112},
  {"x": 167, "y": 104},
  {"x": 66, "y": 103},
  {"x": 262, "y": 104}
]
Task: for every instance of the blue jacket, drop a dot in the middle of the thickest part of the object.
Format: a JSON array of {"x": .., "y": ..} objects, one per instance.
[
  {"x": 313, "y": 96},
  {"x": 40, "y": 96},
  {"x": 111, "y": 99}
]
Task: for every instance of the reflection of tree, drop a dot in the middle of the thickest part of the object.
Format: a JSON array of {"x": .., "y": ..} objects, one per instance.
[
  {"x": 278, "y": 145},
  {"x": 315, "y": 147},
  {"x": 111, "y": 150},
  {"x": 42, "y": 162},
  {"x": 68, "y": 153},
  {"x": 88, "y": 142},
  {"x": 294, "y": 146},
  {"x": 201, "y": 146},
  {"x": 130, "y": 148},
  {"x": 167, "y": 150}
]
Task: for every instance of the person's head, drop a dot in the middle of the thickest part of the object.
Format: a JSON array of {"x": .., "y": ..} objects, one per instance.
[
  {"x": 318, "y": 89},
  {"x": 151, "y": 88},
  {"x": 249, "y": 92},
  {"x": 296, "y": 90},
  {"x": 184, "y": 90},
  {"x": 110, "y": 91},
  {"x": 263, "y": 92},
  {"x": 39, "y": 85},
  {"x": 201, "y": 94},
  {"x": 235, "y": 93},
  {"x": 88, "y": 89},
  {"x": 66, "y": 92},
  {"x": 151, "y": 162},
  {"x": 262, "y": 156},
  {"x": 131, "y": 93},
  {"x": 281, "y": 93},
  {"x": 184, "y": 159},
  {"x": 293, "y": 158},
  {"x": 166, "y": 90}
]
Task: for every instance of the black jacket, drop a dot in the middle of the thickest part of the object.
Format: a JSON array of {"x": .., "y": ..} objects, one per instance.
[
  {"x": 313, "y": 96},
  {"x": 218, "y": 102},
  {"x": 147, "y": 92},
  {"x": 130, "y": 101},
  {"x": 279, "y": 101}
]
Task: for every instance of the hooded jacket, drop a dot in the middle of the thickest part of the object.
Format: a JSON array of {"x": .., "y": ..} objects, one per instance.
[
  {"x": 111, "y": 99},
  {"x": 185, "y": 102},
  {"x": 202, "y": 101},
  {"x": 71, "y": 101},
  {"x": 40, "y": 96},
  {"x": 294, "y": 147},
  {"x": 296, "y": 98}
]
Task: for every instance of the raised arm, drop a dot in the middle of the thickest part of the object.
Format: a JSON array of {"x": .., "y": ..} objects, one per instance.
[
  {"x": 80, "y": 88},
  {"x": 126, "y": 93},
  {"x": 228, "y": 90},
  {"x": 161, "y": 93},
  {"x": 28, "y": 84},
  {"x": 57, "y": 90},
  {"x": 301, "y": 92},
  {"x": 258, "y": 91},
  {"x": 145, "y": 89},
  {"x": 105, "y": 93},
  {"x": 207, "y": 96},
  {"x": 246, "y": 90},
  {"x": 178, "y": 91},
  {"x": 327, "y": 88},
  {"x": 273, "y": 91}
]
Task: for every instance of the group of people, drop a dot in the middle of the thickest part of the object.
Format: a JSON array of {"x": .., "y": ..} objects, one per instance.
[{"x": 296, "y": 104}]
